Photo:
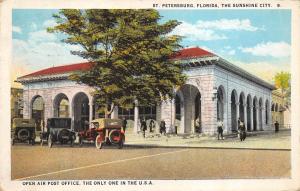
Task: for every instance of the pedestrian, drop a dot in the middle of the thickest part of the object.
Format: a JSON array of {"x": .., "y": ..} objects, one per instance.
[
  {"x": 124, "y": 124},
  {"x": 162, "y": 127},
  {"x": 151, "y": 125},
  {"x": 144, "y": 127},
  {"x": 220, "y": 129},
  {"x": 276, "y": 127},
  {"x": 242, "y": 131}
]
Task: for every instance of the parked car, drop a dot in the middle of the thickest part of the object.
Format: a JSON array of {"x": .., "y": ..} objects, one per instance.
[
  {"x": 104, "y": 131},
  {"x": 58, "y": 130},
  {"x": 23, "y": 130}
]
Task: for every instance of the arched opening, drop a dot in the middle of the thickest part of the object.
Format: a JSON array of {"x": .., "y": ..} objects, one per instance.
[
  {"x": 179, "y": 113},
  {"x": 61, "y": 106},
  {"x": 220, "y": 103},
  {"x": 260, "y": 114},
  {"x": 249, "y": 105},
  {"x": 267, "y": 112},
  {"x": 255, "y": 106},
  {"x": 38, "y": 111},
  {"x": 241, "y": 106},
  {"x": 197, "y": 117},
  {"x": 190, "y": 110},
  {"x": 81, "y": 111},
  {"x": 233, "y": 111}
]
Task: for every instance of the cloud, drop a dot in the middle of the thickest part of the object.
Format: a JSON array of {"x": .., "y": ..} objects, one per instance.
[
  {"x": 41, "y": 50},
  {"x": 264, "y": 70},
  {"x": 49, "y": 23},
  {"x": 228, "y": 24},
  {"x": 195, "y": 33},
  {"x": 17, "y": 29},
  {"x": 274, "y": 49}
]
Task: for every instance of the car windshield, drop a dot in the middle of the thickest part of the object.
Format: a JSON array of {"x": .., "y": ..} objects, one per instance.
[
  {"x": 95, "y": 125},
  {"x": 60, "y": 123}
]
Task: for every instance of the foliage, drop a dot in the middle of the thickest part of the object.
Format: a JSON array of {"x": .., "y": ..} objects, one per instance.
[
  {"x": 130, "y": 52},
  {"x": 283, "y": 82}
]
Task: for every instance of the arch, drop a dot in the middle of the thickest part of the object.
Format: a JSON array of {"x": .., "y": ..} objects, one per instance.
[
  {"x": 267, "y": 111},
  {"x": 188, "y": 108},
  {"x": 220, "y": 102},
  {"x": 80, "y": 105},
  {"x": 179, "y": 110},
  {"x": 197, "y": 117},
  {"x": 241, "y": 106},
  {"x": 61, "y": 105},
  {"x": 255, "y": 113},
  {"x": 37, "y": 106},
  {"x": 260, "y": 109},
  {"x": 249, "y": 107},
  {"x": 233, "y": 104}
]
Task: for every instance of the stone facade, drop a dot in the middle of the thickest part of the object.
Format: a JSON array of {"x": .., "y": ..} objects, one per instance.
[{"x": 214, "y": 89}]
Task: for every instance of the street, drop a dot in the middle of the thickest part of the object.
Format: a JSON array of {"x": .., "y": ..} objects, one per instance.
[{"x": 132, "y": 162}]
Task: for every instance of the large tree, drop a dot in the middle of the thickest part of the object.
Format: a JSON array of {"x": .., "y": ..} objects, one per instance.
[
  {"x": 130, "y": 51},
  {"x": 283, "y": 82}
]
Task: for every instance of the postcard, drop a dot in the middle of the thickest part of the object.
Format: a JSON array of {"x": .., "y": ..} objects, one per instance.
[{"x": 149, "y": 95}]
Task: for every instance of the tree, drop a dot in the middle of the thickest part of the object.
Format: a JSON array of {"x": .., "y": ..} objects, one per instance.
[
  {"x": 283, "y": 82},
  {"x": 129, "y": 51}
]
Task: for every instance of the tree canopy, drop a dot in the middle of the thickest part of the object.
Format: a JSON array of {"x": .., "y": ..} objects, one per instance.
[
  {"x": 283, "y": 82},
  {"x": 130, "y": 50}
]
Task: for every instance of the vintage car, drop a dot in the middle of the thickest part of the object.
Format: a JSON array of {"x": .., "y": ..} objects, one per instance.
[
  {"x": 58, "y": 130},
  {"x": 23, "y": 130},
  {"x": 108, "y": 131}
]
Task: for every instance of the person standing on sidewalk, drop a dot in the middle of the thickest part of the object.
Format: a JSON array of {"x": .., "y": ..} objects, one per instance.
[
  {"x": 276, "y": 124},
  {"x": 144, "y": 127},
  {"x": 124, "y": 124},
  {"x": 151, "y": 125},
  {"x": 242, "y": 131},
  {"x": 220, "y": 129},
  {"x": 162, "y": 127}
]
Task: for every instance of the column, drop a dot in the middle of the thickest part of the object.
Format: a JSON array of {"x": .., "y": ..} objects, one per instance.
[
  {"x": 90, "y": 113},
  {"x": 237, "y": 115},
  {"x": 251, "y": 117},
  {"x": 263, "y": 118},
  {"x": 245, "y": 116},
  {"x": 114, "y": 114},
  {"x": 257, "y": 118},
  {"x": 136, "y": 117},
  {"x": 71, "y": 113}
]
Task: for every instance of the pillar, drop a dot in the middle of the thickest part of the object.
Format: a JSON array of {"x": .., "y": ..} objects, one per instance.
[
  {"x": 263, "y": 117},
  {"x": 257, "y": 118},
  {"x": 114, "y": 114},
  {"x": 251, "y": 117},
  {"x": 245, "y": 116},
  {"x": 136, "y": 117},
  {"x": 90, "y": 112},
  {"x": 237, "y": 105}
]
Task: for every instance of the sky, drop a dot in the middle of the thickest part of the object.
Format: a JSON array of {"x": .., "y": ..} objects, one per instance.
[{"x": 258, "y": 41}]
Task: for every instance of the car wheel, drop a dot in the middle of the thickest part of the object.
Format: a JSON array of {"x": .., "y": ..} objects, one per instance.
[
  {"x": 98, "y": 142},
  {"x": 50, "y": 143},
  {"x": 80, "y": 141}
]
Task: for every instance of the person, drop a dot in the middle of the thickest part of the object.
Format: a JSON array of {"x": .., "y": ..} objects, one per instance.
[
  {"x": 197, "y": 125},
  {"x": 276, "y": 127},
  {"x": 162, "y": 127},
  {"x": 124, "y": 124},
  {"x": 242, "y": 131},
  {"x": 220, "y": 129},
  {"x": 151, "y": 125},
  {"x": 144, "y": 127}
]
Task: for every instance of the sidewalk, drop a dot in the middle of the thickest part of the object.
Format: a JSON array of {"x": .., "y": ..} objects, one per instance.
[{"x": 254, "y": 140}]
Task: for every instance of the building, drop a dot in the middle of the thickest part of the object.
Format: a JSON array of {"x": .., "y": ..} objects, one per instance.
[
  {"x": 16, "y": 103},
  {"x": 280, "y": 111},
  {"x": 214, "y": 89}
]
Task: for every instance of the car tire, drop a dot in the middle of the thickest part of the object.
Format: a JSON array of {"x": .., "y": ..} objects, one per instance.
[
  {"x": 21, "y": 131},
  {"x": 80, "y": 141},
  {"x": 98, "y": 142},
  {"x": 50, "y": 143}
]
